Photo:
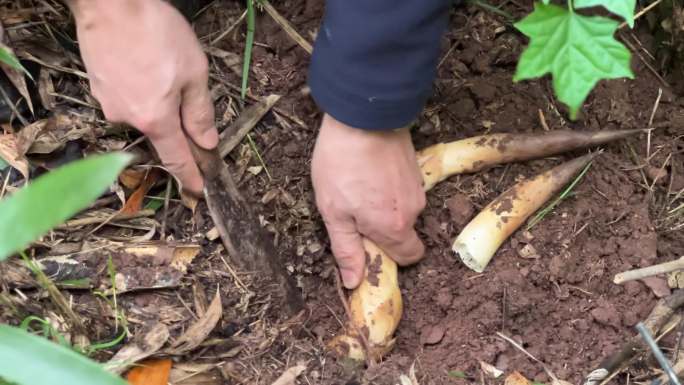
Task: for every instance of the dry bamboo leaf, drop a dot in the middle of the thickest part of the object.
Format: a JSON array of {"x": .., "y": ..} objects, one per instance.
[
  {"x": 17, "y": 77},
  {"x": 151, "y": 372},
  {"x": 490, "y": 370},
  {"x": 290, "y": 375},
  {"x": 9, "y": 152},
  {"x": 199, "y": 331},
  {"x": 46, "y": 90},
  {"x": 190, "y": 373},
  {"x": 28, "y": 135},
  {"x": 61, "y": 128},
  {"x": 138, "y": 350},
  {"x": 131, "y": 177},
  {"x": 516, "y": 378},
  {"x": 135, "y": 201}
]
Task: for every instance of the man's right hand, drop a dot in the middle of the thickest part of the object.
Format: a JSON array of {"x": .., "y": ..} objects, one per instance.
[
  {"x": 147, "y": 69},
  {"x": 367, "y": 183}
]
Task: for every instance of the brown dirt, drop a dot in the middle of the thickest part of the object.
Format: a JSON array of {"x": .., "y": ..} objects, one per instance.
[{"x": 559, "y": 303}]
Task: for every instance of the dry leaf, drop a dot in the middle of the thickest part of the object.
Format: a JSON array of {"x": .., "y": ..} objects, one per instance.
[
  {"x": 199, "y": 331},
  {"x": 9, "y": 152},
  {"x": 152, "y": 372},
  {"x": 135, "y": 201},
  {"x": 189, "y": 201},
  {"x": 138, "y": 350},
  {"x": 17, "y": 77},
  {"x": 46, "y": 89},
  {"x": 411, "y": 378},
  {"x": 28, "y": 135},
  {"x": 131, "y": 177},
  {"x": 516, "y": 378},
  {"x": 290, "y": 375},
  {"x": 191, "y": 373},
  {"x": 490, "y": 370},
  {"x": 61, "y": 128}
]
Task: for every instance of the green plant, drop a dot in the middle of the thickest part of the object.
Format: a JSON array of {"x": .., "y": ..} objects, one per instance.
[
  {"x": 7, "y": 57},
  {"x": 26, "y": 215},
  {"x": 249, "y": 43},
  {"x": 53, "y": 198},
  {"x": 576, "y": 50},
  {"x": 28, "y": 359}
]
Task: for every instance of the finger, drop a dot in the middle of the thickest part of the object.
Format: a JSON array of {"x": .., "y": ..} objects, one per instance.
[
  {"x": 405, "y": 248},
  {"x": 197, "y": 114},
  {"x": 347, "y": 247},
  {"x": 168, "y": 139}
]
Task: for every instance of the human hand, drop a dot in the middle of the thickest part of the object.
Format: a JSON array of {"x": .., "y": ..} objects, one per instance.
[
  {"x": 147, "y": 69},
  {"x": 367, "y": 184}
]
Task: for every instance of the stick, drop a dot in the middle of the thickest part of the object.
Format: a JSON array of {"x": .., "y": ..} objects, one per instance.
[
  {"x": 93, "y": 220},
  {"x": 650, "y": 271},
  {"x": 655, "y": 321},
  {"x": 294, "y": 35},
  {"x": 234, "y": 134},
  {"x": 664, "y": 363}
]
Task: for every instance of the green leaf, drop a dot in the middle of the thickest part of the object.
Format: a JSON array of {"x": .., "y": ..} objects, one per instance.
[
  {"x": 577, "y": 50},
  {"x": 54, "y": 198},
  {"x": 456, "y": 374},
  {"x": 7, "y": 57},
  {"x": 249, "y": 43},
  {"x": 622, "y": 8},
  {"x": 28, "y": 359}
]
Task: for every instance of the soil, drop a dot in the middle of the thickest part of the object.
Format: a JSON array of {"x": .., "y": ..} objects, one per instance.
[{"x": 549, "y": 288}]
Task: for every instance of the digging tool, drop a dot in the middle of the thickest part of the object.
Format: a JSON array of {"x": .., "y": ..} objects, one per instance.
[{"x": 244, "y": 239}]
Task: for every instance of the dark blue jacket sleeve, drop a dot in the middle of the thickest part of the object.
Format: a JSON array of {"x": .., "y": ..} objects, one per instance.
[{"x": 374, "y": 61}]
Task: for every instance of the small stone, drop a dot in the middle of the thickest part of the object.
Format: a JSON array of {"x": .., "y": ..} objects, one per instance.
[
  {"x": 431, "y": 335},
  {"x": 460, "y": 208},
  {"x": 658, "y": 285},
  {"x": 528, "y": 252}
]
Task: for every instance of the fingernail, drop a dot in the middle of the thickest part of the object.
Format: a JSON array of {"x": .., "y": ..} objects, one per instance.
[{"x": 349, "y": 278}]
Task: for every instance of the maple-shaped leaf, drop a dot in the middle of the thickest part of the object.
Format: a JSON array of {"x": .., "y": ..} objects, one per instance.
[
  {"x": 622, "y": 8},
  {"x": 577, "y": 50}
]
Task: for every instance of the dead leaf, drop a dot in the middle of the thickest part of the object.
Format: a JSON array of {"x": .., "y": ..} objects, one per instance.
[
  {"x": 411, "y": 378},
  {"x": 62, "y": 128},
  {"x": 189, "y": 201},
  {"x": 46, "y": 89},
  {"x": 135, "y": 201},
  {"x": 199, "y": 331},
  {"x": 290, "y": 375},
  {"x": 131, "y": 177},
  {"x": 516, "y": 378},
  {"x": 138, "y": 350},
  {"x": 28, "y": 135},
  {"x": 152, "y": 372},
  {"x": 193, "y": 373},
  {"x": 17, "y": 77},
  {"x": 490, "y": 370},
  {"x": 9, "y": 152}
]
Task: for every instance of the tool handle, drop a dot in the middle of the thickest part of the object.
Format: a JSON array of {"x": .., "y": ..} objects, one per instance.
[{"x": 208, "y": 161}]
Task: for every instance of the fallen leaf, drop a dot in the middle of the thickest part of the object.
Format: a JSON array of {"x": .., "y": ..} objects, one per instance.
[
  {"x": 135, "y": 201},
  {"x": 411, "y": 378},
  {"x": 290, "y": 375},
  {"x": 138, "y": 350},
  {"x": 199, "y": 331},
  {"x": 28, "y": 135},
  {"x": 132, "y": 177},
  {"x": 189, "y": 201},
  {"x": 152, "y": 372},
  {"x": 516, "y": 378},
  {"x": 46, "y": 89},
  {"x": 17, "y": 77},
  {"x": 9, "y": 152},
  {"x": 255, "y": 170},
  {"x": 193, "y": 373},
  {"x": 490, "y": 370}
]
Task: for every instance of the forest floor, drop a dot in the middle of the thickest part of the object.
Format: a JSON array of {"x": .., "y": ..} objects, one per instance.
[{"x": 559, "y": 302}]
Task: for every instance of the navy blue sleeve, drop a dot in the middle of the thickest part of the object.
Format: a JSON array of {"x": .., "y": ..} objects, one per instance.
[{"x": 374, "y": 61}]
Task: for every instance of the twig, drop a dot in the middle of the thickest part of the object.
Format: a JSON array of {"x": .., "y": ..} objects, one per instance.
[
  {"x": 542, "y": 120},
  {"x": 650, "y": 271},
  {"x": 660, "y": 357},
  {"x": 287, "y": 27},
  {"x": 655, "y": 321},
  {"x": 229, "y": 30},
  {"x": 96, "y": 220},
  {"x": 650, "y": 122},
  {"x": 517, "y": 346},
  {"x": 14, "y": 109},
  {"x": 165, "y": 215},
  {"x": 234, "y": 134},
  {"x": 641, "y": 13}
]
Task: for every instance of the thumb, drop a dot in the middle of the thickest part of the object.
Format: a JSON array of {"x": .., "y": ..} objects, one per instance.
[
  {"x": 347, "y": 247},
  {"x": 197, "y": 114}
]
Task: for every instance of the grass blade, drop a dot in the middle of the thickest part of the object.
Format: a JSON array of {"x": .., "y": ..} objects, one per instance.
[
  {"x": 54, "y": 198},
  {"x": 29, "y": 359},
  {"x": 543, "y": 212},
  {"x": 249, "y": 43}
]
